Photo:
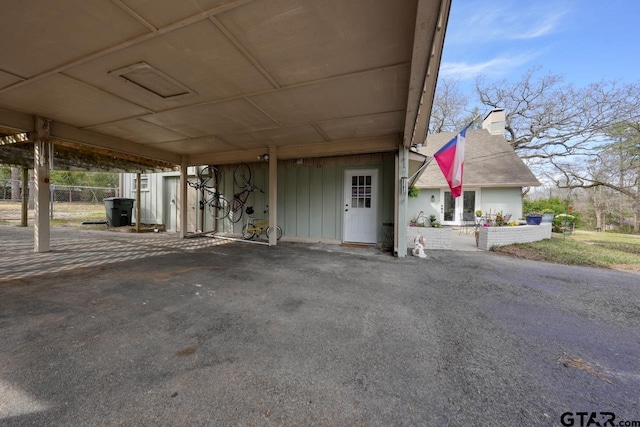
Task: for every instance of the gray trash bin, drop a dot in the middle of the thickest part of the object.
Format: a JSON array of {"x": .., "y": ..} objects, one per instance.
[{"x": 118, "y": 211}]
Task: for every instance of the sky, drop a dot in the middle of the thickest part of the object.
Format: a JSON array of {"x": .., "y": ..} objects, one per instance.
[{"x": 586, "y": 41}]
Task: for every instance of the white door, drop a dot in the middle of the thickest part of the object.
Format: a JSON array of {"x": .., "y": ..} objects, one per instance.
[
  {"x": 455, "y": 211},
  {"x": 171, "y": 204},
  {"x": 361, "y": 206}
]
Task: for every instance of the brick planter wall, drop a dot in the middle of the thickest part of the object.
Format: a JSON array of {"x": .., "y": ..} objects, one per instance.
[
  {"x": 434, "y": 238},
  {"x": 499, "y": 236}
]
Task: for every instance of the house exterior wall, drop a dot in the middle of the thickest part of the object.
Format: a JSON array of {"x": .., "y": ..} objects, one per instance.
[
  {"x": 505, "y": 199},
  {"x": 310, "y": 196},
  {"x": 423, "y": 203}
]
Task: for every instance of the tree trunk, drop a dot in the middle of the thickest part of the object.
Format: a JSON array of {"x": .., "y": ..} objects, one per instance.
[{"x": 15, "y": 184}]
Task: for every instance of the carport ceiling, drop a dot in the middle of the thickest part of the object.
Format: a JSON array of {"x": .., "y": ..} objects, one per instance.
[{"x": 214, "y": 81}]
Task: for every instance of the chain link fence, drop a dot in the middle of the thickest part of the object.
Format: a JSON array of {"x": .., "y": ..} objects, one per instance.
[
  {"x": 61, "y": 197},
  {"x": 11, "y": 189}
]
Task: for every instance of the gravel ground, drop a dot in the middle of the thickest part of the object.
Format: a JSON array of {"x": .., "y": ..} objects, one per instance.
[{"x": 239, "y": 334}]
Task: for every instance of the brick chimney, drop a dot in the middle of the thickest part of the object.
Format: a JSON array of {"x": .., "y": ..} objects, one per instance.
[{"x": 494, "y": 122}]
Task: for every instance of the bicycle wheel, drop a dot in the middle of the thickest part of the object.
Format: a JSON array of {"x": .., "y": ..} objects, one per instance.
[
  {"x": 278, "y": 232},
  {"x": 218, "y": 207},
  {"x": 236, "y": 209},
  {"x": 248, "y": 231},
  {"x": 209, "y": 176},
  {"x": 242, "y": 175}
]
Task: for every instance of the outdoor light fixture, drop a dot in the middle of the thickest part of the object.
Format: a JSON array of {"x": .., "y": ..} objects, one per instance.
[
  {"x": 264, "y": 157},
  {"x": 433, "y": 198}
]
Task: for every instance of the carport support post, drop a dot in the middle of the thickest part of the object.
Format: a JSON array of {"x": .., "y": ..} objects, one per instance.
[
  {"x": 403, "y": 200},
  {"x": 182, "y": 196},
  {"x": 25, "y": 197},
  {"x": 138, "y": 209},
  {"x": 41, "y": 152},
  {"x": 273, "y": 195}
]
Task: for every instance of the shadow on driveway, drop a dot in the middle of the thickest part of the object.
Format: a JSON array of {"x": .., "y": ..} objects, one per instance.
[{"x": 160, "y": 330}]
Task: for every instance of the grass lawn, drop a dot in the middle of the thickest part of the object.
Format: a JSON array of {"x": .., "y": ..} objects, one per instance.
[
  {"x": 64, "y": 214},
  {"x": 604, "y": 250}
]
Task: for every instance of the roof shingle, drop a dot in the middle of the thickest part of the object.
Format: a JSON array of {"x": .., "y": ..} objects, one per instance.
[{"x": 489, "y": 162}]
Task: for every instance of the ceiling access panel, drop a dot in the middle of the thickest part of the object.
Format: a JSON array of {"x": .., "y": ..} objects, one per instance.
[{"x": 198, "y": 57}]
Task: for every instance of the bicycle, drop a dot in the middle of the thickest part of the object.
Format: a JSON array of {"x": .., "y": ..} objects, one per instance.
[
  {"x": 254, "y": 228},
  {"x": 215, "y": 203},
  {"x": 242, "y": 179}
]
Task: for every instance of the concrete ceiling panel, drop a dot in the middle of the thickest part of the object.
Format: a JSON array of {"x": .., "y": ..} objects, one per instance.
[
  {"x": 160, "y": 13},
  {"x": 40, "y": 35},
  {"x": 378, "y": 91},
  {"x": 138, "y": 131},
  {"x": 364, "y": 127},
  {"x": 68, "y": 101},
  {"x": 198, "y": 56},
  {"x": 278, "y": 137},
  {"x": 302, "y": 41},
  {"x": 196, "y": 146},
  {"x": 7, "y": 79},
  {"x": 213, "y": 119}
]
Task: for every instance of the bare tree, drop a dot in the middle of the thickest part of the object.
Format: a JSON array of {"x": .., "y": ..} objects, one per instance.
[
  {"x": 449, "y": 107},
  {"x": 547, "y": 119},
  {"x": 614, "y": 165}
]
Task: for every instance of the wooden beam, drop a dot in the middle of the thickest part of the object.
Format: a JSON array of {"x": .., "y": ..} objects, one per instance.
[
  {"x": 14, "y": 122},
  {"x": 91, "y": 139},
  {"x": 425, "y": 64},
  {"x": 322, "y": 149}
]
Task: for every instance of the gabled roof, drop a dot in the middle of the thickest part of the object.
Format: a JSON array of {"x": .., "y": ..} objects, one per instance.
[{"x": 489, "y": 162}]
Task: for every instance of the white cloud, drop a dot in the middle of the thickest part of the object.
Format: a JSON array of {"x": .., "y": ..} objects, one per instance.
[
  {"x": 504, "y": 21},
  {"x": 495, "y": 67}
]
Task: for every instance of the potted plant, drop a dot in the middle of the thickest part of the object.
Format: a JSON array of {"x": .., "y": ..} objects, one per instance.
[
  {"x": 533, "y": 218},
  {"x": 478, "y": 215},
  {"x": 547, "y": 215}
]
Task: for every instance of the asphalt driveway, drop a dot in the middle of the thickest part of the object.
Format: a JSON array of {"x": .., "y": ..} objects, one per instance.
[{"x": 154, "y": 330}]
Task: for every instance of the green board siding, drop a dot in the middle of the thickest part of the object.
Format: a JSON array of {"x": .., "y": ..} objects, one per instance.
[
  {"x": 310, "y": 199},
  {"x": 315, "y": 202},
  {"x": 331, "y": 219},
  {"x": 310, "y": 196},
  {"x": 290, "y": 202},
  {"x": 303, "y": 195}
]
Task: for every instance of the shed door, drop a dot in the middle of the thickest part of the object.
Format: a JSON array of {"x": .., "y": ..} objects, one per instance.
[
  {"x": 171, "y": 204},
  {"x": 361, "y": 206}
]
